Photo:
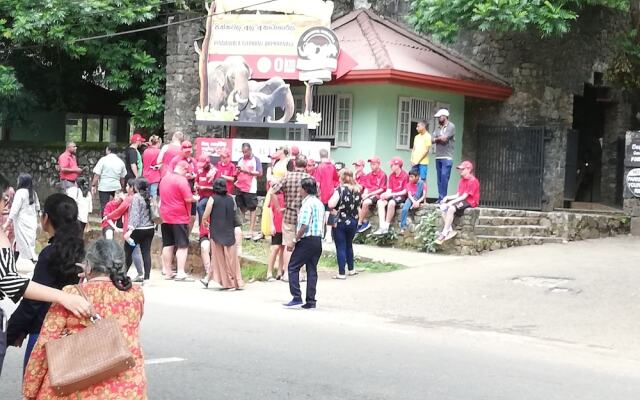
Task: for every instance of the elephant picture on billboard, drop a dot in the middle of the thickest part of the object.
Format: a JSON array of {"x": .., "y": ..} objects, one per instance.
[{"x": 229, "y": 84}]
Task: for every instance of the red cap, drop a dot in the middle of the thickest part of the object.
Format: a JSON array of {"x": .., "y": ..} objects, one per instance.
[
  {"x": 465, "y": 164},
  {"x": 374, "y": 159},
  {"x": 396, "y": 161},
  {"x": 137, "y": 138},
  {"x": 311, "y": 162},
  {"x": 187, "y": 144},
  {"x": 295, "y": 150},
  {"x": 359, "y": 163}
]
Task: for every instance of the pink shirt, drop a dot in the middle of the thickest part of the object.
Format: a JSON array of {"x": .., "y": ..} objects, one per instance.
[
  {"x": 68, "y": 160},
  {"x": 175, "y": 192},
  {"x": 375, "y": 180},
  {"x": 327, "y": 177},
  {"x": 228, "y": 169},
  {"x": 246, "y": 182},
  {"x": 149, "y": 158},
  {"x": 397, "y": 183},
  {"x": 172, "y": 151},
  {"x": 470, "y": 186}
]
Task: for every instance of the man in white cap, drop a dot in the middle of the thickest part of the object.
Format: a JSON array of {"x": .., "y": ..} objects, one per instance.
[{"x": 444, "y": 139}]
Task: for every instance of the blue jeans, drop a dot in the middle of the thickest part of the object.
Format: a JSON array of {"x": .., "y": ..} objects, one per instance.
[
  {"x": 31, "y": 342},
  {"x": 408, "y": 203},
  {"x": 153, "y": 190},
  {"x": 343, "y": 235},
  {"x": 423, "y": 169},
  {"x": 200, "y": 207},
  {"x": 443, "y": 169}
]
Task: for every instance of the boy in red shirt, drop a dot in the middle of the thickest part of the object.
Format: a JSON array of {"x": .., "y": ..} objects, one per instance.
[
  {"x": 108, "y": 226},
  {"x": 415, "y": 195},
  {"x": 375, "y": 183},
  {"x": 396, "y": 193},
  {"x": 468, "y": 196},
  {"x": 359, "y": 174}
]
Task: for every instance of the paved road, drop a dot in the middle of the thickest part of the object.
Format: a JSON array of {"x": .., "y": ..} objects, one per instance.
[{"x": 241, "y": 346}]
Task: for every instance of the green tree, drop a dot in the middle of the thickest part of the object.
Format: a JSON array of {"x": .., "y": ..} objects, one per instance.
[
  {"x": 443, "y": 19},
  {"x": 48, "y": 54}
]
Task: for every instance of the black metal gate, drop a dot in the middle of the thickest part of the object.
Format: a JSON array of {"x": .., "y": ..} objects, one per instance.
[{"x": 510, "y": 165}]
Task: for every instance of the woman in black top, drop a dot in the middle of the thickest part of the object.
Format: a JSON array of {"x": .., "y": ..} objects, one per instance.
[
  {"x": 56, "y": 268},
  {"x": 225, "y": 265},
  {"x": 344, "y": 202},
  {"x": 14, "y": 286}
]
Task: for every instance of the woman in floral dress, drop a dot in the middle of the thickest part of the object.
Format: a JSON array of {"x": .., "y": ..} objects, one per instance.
[{"x": 112, "y": 295}]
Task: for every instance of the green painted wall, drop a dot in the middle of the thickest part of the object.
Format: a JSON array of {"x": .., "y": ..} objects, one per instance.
[
  {"x": 374, "y": 125},
  {"x": 41, "y": 127}
]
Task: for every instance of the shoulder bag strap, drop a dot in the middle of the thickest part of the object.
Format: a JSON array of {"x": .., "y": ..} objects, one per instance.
[{"x": 94, "y": 316}]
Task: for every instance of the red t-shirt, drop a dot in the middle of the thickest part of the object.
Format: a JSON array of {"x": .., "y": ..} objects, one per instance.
[
  {"x": 172, "y": 151},
  {"x": 110, "y": 207},
  {"x": 361, "y": 178},
  {"x": 121, "y": 211},
  {"x": 149, "y": 158},
  {"x": 470, "y": 186},
  {"x": 68, "y": 160},
  {"x": 204, "y": 232},
  {"x": 277, "y": 214},
  {"x": 192, "y": 165},
  {"x": 205, "y": 178},
  {"x": 327, "y": 177},
  {"x": 397, "y": 183},
  {"x": 174, "y": 206},
  {"x": 248, "y": 183},
  {"x": 228, "y": 169},
  {"x": 375, "y": 180}
]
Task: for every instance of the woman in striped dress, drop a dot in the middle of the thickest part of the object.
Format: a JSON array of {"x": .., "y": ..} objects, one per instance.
[{"x": 15, "y": 286}]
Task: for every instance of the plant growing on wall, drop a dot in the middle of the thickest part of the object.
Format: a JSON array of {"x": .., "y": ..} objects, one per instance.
[
  {"x": 426, "y": 232},
  {"x": 443, "y": 19}
]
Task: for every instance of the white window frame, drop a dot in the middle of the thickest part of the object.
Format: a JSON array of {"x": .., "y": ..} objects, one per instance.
[
  {"x": 428, "y": 109},
  {"x": 401, "y": 125},
  {"x": 349, "y": 120}
]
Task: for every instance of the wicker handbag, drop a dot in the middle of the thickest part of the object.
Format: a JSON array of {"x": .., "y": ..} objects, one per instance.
[{"x": 90, "y": 356}]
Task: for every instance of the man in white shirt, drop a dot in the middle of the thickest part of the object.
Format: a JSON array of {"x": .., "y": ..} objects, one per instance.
[{"x": 108, "y": 176}]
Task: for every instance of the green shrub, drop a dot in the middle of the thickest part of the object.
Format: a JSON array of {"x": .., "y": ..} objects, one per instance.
[
  {"x": 384, "y": 240},
  {"x": 426, "y": 232}
]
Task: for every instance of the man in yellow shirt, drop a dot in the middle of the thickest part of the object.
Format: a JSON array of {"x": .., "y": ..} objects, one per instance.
[{"x": 420, "y": 152}]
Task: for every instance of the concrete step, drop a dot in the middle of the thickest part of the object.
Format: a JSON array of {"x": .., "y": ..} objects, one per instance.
[
  {"x": 500, "y": 212},
  {"x": 519, "y": 241},
  {"x": 493, "y": 220},
  {"x": 518, "y": 231}
]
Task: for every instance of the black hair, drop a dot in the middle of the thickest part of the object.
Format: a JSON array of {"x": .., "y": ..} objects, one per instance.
[
  {"x": 247, "y": 145},
  {"x": 142, "y": 187},
  {"x": 301, "y": 161},
  {"x": 414, "y": 172},
  {"x": 68, "y": 246},
  {"x": 113, "y": 148},
  {"x": 26, "y": 182},
  {"x": 131, "y": 183},
  {"x": 220, "y": 187},
  {"x": 310, "y": 186},
  {"x": 424, "y": 123},
  {"x": 83, "y": 185},
  {"x": 4, "y": 184}
]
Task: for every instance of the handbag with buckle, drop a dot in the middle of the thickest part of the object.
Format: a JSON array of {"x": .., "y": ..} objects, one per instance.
[{"x": 90, "y": 356}]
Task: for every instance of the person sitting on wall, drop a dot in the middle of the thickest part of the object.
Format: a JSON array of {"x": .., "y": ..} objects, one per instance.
[
  {"x": 375, "y": 183},
  {"x": 467, "y": 196},
  {"x": 396, "y": 193},
  {"x": 416, "y": 193}
]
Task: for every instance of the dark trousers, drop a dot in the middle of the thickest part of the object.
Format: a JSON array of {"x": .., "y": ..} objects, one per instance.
[
  {"x": 343, "y": 235},
  {"x": 443, "y": 170},
  {"x": 105, "y": 197},
  {"x": 200, "y": 207},
  {"x": 3, "y": 339},
  {"x": 142, "y": 237},
  {"x": 307, "y": 252}
]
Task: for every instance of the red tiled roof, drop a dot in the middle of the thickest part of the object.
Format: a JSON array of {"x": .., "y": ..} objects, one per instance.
[{"x": 388, "y": 52}]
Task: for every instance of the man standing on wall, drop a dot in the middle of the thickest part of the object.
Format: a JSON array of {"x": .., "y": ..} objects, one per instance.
[
  {"x": 420, "y": 152},
  {"x": 444, "y": 139},
  {"x": 132, "y": 157},
  {"x": 68, "y": 167},
  {"x": 249, "y": 168},
  {"x": 108, "y": 176}
]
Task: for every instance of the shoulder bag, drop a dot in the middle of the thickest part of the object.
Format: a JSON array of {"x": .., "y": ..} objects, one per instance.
[{"x": 90, "y": 356}]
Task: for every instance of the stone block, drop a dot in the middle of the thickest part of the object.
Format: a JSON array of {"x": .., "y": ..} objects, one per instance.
[{"x": 635, "y": 226}]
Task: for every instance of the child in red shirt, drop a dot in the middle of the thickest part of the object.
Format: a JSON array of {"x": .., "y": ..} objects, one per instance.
[
  {"x": 109, "y": 226},
  {"x": 415, "y": 195}
]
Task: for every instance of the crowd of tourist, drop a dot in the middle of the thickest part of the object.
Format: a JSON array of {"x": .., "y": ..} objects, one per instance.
[{"x": 162, "y": 190}]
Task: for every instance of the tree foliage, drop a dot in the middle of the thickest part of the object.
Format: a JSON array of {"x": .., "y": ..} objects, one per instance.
[{"x": 47, "y": 55}]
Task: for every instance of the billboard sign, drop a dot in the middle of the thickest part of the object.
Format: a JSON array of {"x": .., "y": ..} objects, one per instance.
[{"x": 261, "y": 148}]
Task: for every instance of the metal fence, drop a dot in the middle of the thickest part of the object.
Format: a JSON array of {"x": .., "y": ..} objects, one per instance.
[{"x": 510, "y": 166}]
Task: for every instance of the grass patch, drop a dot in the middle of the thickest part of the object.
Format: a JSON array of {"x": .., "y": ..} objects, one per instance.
[{"x": 260, "y": 251}]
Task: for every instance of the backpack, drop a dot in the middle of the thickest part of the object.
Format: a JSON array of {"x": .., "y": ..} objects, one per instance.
[{"x": 155, "y": 211}]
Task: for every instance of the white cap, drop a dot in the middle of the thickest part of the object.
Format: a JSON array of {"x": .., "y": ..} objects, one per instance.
[{"x": 441, "y": 112}]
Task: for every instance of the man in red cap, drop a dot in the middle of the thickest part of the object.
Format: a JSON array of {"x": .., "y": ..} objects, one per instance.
[
  {"x": 468, "y": 196},
  {"x": 132, "y": 158},
  {"x": 396, "y": 193},
  {"x": 375, "y": 183},
  {"x": 225, "y": 169},
  {"x": 359, "y": 174},
  {"x": 191, "y": 172}
]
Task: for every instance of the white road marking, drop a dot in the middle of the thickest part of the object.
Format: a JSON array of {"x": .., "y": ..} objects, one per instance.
[{"x": 163, "y": 360}]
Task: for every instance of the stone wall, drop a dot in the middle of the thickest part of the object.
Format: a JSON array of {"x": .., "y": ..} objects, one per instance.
[
  {"x": 40, "y": 162},
  {"x": 631, "y": 204}
]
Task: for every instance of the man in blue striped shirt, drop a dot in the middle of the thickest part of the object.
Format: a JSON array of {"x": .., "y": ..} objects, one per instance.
[{"x": 307, "y": 247}]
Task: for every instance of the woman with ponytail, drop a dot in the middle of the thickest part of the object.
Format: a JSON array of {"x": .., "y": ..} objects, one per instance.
[
  {"x": 112, "y": 296},
  {"x": 56, "y": 268},
  {"x": 141, "y": 228},
  {"x": 81, "y": 193}
]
